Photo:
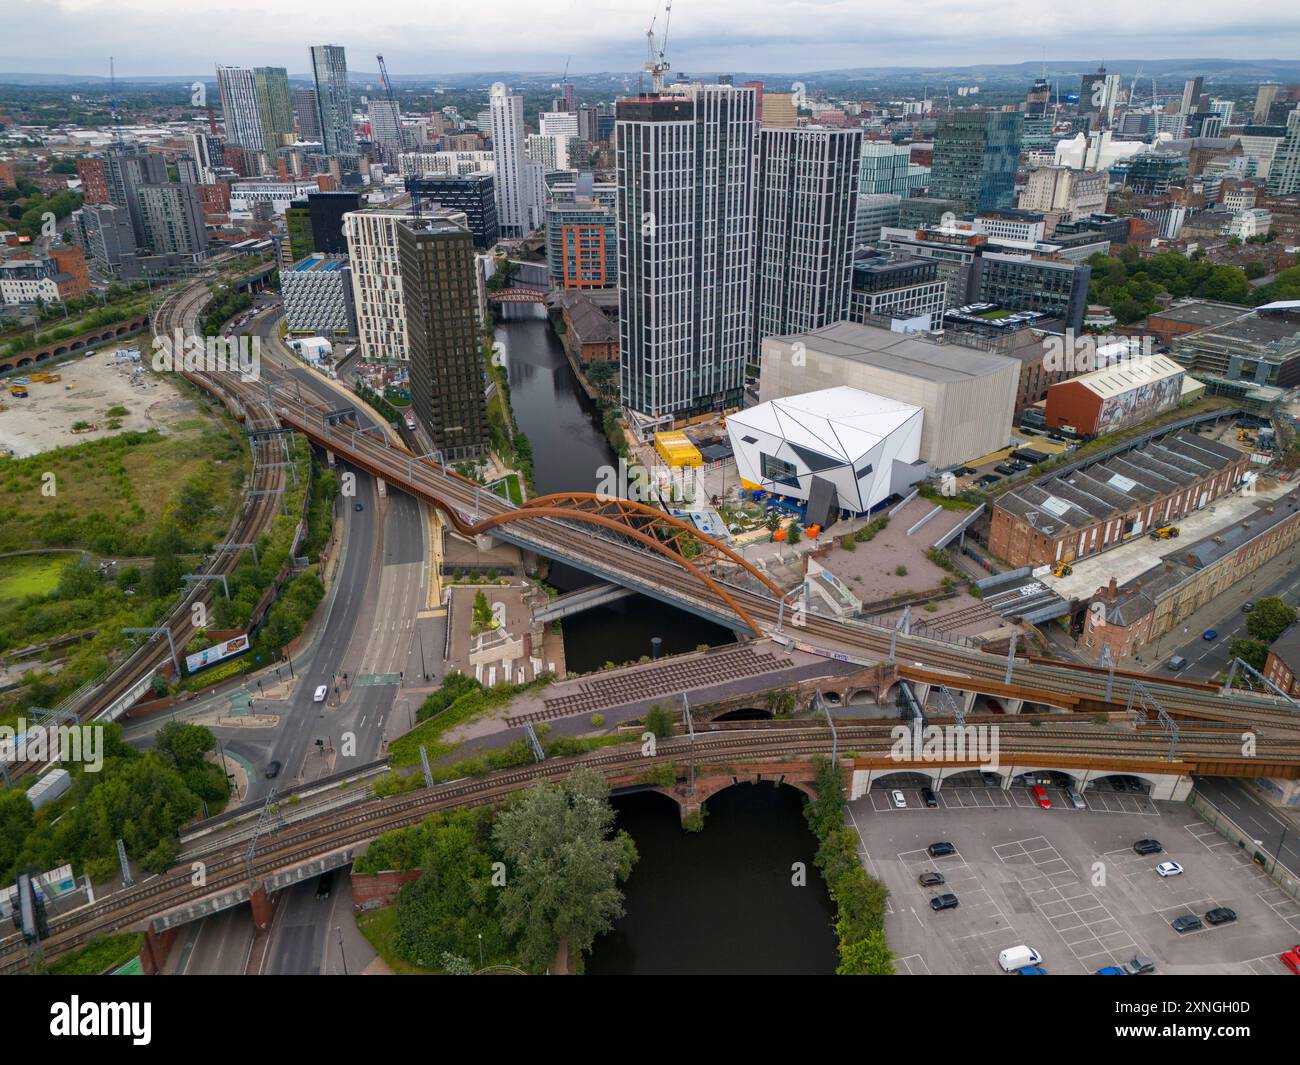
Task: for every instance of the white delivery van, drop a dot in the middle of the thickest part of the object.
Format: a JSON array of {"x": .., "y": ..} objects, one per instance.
[{"x": 1014, "y": 958}]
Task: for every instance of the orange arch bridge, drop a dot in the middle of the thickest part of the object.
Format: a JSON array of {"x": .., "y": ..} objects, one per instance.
[{"x": 645, "y": 526}]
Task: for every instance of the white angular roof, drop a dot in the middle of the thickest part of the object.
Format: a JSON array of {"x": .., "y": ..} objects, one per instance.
[{"x": 842, "y": 421}]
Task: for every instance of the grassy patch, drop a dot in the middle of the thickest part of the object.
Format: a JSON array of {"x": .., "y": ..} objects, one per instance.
[
  {"x": 99, "y": 955},
  {"x": 26, "y": 575},
  {"x": 380, "y": 927}
]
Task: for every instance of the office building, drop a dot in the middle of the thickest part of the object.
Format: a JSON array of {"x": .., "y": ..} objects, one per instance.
[
  {"x": 807, "y": 221},
  {"x": 975, "y": 157},
  {"x": 275, "y": 108},
  {"x": 329, "y": 68},
  {"x": 519, "y": 181},
  {"x": 440, "y": 293},
  {"x": 245, "y": 196},
  {"x": 1063, "y": 193},
  {"x": 685, "y": 171},
  {"x": 473, "y": 194},
  {"x": 875, "y": 212},
  {"x": 898, "y": 289},
  {"x": 1026, "y": 283}
]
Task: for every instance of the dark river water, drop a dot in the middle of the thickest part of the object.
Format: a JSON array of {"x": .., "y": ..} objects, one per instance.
[
  {"x": 720, "y": 900},
  {"x": 569, "y": 449}
]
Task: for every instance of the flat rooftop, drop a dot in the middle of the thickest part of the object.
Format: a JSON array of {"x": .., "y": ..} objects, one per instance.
[{"x": 901, "y": 353}]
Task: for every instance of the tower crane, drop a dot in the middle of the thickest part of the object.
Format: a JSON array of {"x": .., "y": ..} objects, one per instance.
[{"x": 656, "y": 62}]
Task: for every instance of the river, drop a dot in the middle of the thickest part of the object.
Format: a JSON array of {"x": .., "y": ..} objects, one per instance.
[{"x": 569, "y": 449}]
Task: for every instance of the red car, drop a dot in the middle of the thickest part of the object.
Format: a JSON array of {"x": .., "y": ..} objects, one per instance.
[
  {"x": 1040, "y": 797},
  {"x": 1291, "y": 959}
]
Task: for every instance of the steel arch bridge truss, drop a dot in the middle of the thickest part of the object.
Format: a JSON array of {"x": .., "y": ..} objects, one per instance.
[{"x": 644, "y": 527}]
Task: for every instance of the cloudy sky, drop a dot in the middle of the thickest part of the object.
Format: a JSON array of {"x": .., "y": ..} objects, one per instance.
[{"x": 154, "y": 37}]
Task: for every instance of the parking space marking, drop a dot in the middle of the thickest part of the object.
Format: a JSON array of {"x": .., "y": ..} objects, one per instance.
[
  {"x": 1266, "y": 965},
  {"x": 911, "y": 965},
  {"x": 1116, "y": 802},
  {"x": 1207, "y": 837},
  {"x": 1082, "y": 921}
]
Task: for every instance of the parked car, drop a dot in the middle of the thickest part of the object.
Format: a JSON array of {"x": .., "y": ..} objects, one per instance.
[
  {"x": 1032, "y": 970},
  {"x": 1188, "y": 922},
  {"x": 1147, "y": 846},
  {"x": 1291, "y": 960},
  {"x": 1220, "y": 915},
  {"x": 991, "y": 780},
  {"x": 929, "y": 798},
  {"x": 1140, "y": 963},
  {"x": 1076, "y": 800},
  {"x": 1167, "y": 869},
  {"x": 1040, "y": 797},
  {"x": 940, "y": 849},
  {"x": 943, "y": 902},
  {"x": 1111, "y": 970},
  {"x": 900, "y": 800},
  {"x": 930, "y": 879}
]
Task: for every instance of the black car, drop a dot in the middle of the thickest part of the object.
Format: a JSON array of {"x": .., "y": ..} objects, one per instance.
[
  {"x": 930, "y": 879},
  {"x": 928, "y": 797},
  {"x": 272, "y": 770},
  {"x": 358, "y": 506},
  {"x": 992, "y": 780},
  {"x": 1147, "y": 846},
  {"x": 940, "y": 849},
  {"x": 1188, "y": 922},
  {"x": 323, "y": 885},
  {"x": 1220, "y": 915},
  {"x": 943, "y": 902}
]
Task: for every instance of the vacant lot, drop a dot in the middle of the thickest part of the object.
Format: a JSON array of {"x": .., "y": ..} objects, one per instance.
[{"x": 24, "y": 575}]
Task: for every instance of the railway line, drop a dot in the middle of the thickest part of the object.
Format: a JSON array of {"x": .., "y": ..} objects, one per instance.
[{"x": 341, "y": 827}]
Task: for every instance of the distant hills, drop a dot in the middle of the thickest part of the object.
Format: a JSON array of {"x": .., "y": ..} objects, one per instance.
[{"x": 1222, "y": 71}]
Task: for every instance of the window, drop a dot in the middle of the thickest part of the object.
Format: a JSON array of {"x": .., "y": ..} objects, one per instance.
[{"x": 778, "y": 470}]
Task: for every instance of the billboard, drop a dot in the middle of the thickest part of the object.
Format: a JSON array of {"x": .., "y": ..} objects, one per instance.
[{"x": 217, "y": 652}]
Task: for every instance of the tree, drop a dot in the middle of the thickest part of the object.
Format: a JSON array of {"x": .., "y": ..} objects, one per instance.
[
  {"x": 869, "y": 956},
  {"x": 1253, "y": 652},
  {"x": 659, "y": 721},
  {"x": 563, "y": 867},
  {"x": 1269, "y": 618},
  {"x": 483, "y": 619}
]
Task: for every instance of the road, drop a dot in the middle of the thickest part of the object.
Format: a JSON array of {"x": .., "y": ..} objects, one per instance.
[{"x": 1273, "y": 834}]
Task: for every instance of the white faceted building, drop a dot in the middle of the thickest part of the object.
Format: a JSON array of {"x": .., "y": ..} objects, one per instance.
[{"x": 863, "y": 446}]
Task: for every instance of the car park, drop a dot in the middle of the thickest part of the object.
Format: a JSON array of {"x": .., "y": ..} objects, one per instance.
[
  {"x": 1220, "y": 915},
  {"x": 1147, "y": 846},
  {"x": 944, "y": 902},
  {"x": 930, "y": 879},
  {"x": 1167, "y": 869},
  {"x": 1188, "y": 922},
  {"x": 940, "y": 849},
  {"x": 1040, "y": 797},
  {"x": 929, "y": 798},
  {"x": 900, "y": 800}
]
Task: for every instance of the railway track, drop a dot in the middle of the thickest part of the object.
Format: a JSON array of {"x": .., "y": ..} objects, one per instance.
[{"x": 342, "y": 827}]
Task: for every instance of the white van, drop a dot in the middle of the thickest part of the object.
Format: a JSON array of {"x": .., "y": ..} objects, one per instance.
[
  {"x": 1014, "y": 958},
  {"x": 321, "y": 692}
]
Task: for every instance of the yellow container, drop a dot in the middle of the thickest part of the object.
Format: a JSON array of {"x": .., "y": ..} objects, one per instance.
[{"x": 676, "y": 450}]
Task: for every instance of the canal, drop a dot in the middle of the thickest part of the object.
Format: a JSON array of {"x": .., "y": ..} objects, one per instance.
[
  {"x": 723, "y": 900},
  {"x": 569, "y": 449}
]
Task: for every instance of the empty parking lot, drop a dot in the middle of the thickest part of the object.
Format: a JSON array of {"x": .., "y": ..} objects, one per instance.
[{"x": 1068, "y": 883}]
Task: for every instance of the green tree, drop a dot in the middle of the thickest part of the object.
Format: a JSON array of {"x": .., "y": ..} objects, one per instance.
[
  {"x": 659, "y": 721},
  {"x": 563, "y": 867},
  {"x": 1269, "y": 618},
  {"x": 1252, "y": 652},
  {"x": 869, "y": 956}
]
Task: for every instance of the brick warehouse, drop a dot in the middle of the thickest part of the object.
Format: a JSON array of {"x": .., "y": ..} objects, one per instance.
[{"x": 1089, "y": 509}]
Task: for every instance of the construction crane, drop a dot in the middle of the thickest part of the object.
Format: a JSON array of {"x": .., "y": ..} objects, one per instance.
[
  {"x": 411, "y": 187},
  {"x": 112, "y": 98},
  {"x": 656, "y": 62}
]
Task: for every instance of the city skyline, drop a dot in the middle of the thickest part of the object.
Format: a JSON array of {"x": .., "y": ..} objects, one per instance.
[{"x": 722, "y": 34}]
